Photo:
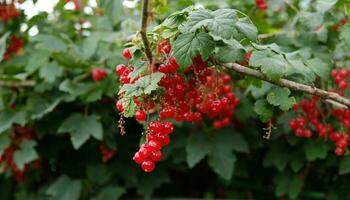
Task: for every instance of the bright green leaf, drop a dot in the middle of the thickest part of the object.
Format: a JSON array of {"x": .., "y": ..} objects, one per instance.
[
  {"x": 263, "y": 109},
  {"x": 188, "y": 46},
  {"x": 278, "y": 96},
  {"x": 271, "y": 64},
  {"x": 50, "y": 72},
  {"x": 245, "y": 26},
  {"x": 232, "y": 51},
  {"x": 321, "y": 68}
]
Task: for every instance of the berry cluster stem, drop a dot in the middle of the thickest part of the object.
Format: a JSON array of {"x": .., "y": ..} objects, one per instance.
[
  {"x": 143, "y": 31},
  {"x": 329, "y": 97}
]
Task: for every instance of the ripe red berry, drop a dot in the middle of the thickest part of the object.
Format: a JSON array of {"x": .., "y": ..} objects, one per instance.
[
  {"x": 120, "y": 106},
  {"x": 120, "y": 69},
  {"x": 148, "y": 166},
  {"x": 138, "y": 158},
  {"x": 127, "y": 54},
  {"x": 98, "y": 74},
  {"x": 156, "y": 156},
  {"x": 339, "y": 151},
  {"x": 217, "y": 124},
  {"x": 343, "y": 84},
  {"x": 141, "y": 115}
]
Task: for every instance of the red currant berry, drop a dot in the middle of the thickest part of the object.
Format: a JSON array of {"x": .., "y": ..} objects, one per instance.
[
  {"x": 140, "y": 115},
  {"x": 120, "y": 69},
  {"x": 148, "y": 166},
  {"x": 127, "y": 54},
  {"x": 156, "y": 156},
  {"x": 120, "y": 106}
]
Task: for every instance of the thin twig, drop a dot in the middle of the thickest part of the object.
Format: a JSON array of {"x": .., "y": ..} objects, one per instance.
[
  {"x": 328, "y": 96},
  {"x": 291, "y": 6},
  {"x": 143, "y": 30},
  {"x": 14, "y": 84}
]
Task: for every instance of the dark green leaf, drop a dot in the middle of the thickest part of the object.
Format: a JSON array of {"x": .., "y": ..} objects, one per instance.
[
  {"x": 81, "y": 128},
  {"x": 287, "y": 184},
  {"x": 344, "y": 166},
  {"x": 315, "y": 149},
  {"x": 50, "y": 43},
  {"x": 198, "y": 146},
  {"x": 25, "y": 154},
  {"x": 64, "y": 188},
  {"x": 110, "y": 192}
]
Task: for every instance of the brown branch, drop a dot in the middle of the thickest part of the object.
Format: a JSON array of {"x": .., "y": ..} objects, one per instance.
[
  {"x": 328, "y": 96},
  {"x": 14, "y": 84},
  {"x": 143, "y": 30}
]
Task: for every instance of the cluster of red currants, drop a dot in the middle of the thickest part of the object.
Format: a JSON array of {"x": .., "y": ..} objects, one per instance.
[
  {"x": 150, "y": 151},
  {"x": 14, "y": 47},
  {"x": 106, "y": 152},
  {"x": 7, "y": 12},
  {"x": 261, "y": 4},
  {"x": 313, "y": 117},
  {"x": 188, "y": 96},
  {"x": 21, "y": 134},
  {"x": 340, "y": 77}
]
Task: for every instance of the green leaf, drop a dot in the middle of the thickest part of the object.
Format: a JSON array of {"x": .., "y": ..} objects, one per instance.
[
  {"x": 150, "y": 82},
  {"x": 38, "y": 59},
  {"x": 50, "y": 43},
  {"x": 271, "y": 64},
  {"x": 288, "y": 184},
  {"x": 38, "y": 107},
  {"x": 188, "y": 46},
  {"x": 9, "y": 117},
  {"x": 98, "y": 173},
  {"x": 220, "y": 23},
  {"x": 263, "y": 109},
  {"x": 129, "y": 106},
  {"x": 279, "y": 96},
  {"x": 139, "y": 69},
  {"x": 65, "y": 188},
  {"x": 325, "y": 5},
  {"x": 25, "y": 154},
  {"x": 50, "y": 72},
  {"x": 149, "y": 182},
  {"x": 3, "y": 45},
  {"x": 276, "y": 156},
  {"x": 245, "y": 26},
  {"x": 345, "y": 36},
  {"x": 321, "y": 68},
  {"x": 113, "y": 9},
  {"x": 223, "y": 163},
  {"x": 344, "y": 166},
  {"x": 232, "y": 51},
  {"x": 198, "y": 146},
  {"x": 4, "y": 142},
  {"x": 110, "y": 192},
  {"x": 81, "y": 128},
  {"x": 315, "y": 149}
]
